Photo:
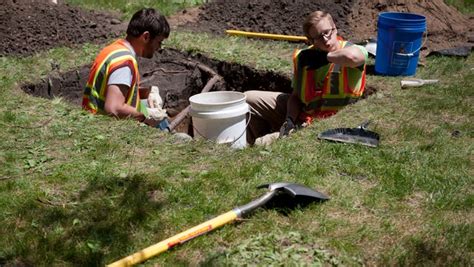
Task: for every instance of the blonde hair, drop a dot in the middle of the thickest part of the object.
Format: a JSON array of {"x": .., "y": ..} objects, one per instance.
[{"x": 314, "y": 18}]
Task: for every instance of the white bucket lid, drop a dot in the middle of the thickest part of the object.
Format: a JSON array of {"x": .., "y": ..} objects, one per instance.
[
  {"x": 217, "y": 101},
  {"x": 233, "y": 112}
]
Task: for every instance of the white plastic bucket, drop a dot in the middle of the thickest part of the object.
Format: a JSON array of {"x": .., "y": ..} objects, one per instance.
[{"x": 220, "y": 116}]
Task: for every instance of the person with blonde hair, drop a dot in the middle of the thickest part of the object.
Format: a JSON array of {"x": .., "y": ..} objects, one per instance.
[{"x": 327, "y": 75}]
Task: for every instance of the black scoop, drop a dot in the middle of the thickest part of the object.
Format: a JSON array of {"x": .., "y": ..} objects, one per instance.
[{"x": 358, "y": 135}]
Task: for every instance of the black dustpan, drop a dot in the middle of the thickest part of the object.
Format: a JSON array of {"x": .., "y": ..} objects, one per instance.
[{"x": 358, "y": 135}]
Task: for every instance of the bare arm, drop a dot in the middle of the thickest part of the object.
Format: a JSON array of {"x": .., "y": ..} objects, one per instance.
[
  {"x": 350, "y": 56},
  {"x": 115, "y": 103}
]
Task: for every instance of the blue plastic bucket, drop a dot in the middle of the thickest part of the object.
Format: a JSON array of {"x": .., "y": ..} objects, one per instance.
[{"x": 399, "y": 40}]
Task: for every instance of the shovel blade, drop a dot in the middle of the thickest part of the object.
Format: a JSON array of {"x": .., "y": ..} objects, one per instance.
[
  {"x": 295, "y": 190},
  {"x": 351, "y": 135}
]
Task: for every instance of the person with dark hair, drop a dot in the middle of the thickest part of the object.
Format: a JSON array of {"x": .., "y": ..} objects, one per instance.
[
  {"x": 327, "y": 75},
  {"x": 113, "y": 84}
]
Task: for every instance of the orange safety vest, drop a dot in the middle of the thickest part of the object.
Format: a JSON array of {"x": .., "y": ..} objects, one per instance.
[
  {"x": 112, "y": 57},
  {"x": 328, "y": 88}
]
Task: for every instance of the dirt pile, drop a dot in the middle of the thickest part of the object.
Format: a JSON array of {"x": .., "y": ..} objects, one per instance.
[
  {"x": 356, "y": 19},
  {"x": 29, "y": 26}
]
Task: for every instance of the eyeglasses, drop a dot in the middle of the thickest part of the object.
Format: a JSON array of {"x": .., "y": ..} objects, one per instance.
[{"x": 324, "y": 35}]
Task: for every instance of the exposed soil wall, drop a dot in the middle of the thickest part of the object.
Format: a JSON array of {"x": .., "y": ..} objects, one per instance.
[
  {"x": 169, "y": 69},
  {"x": 175, "y": 73}
]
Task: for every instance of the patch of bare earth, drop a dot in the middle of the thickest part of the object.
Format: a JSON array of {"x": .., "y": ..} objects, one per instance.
[{"x": 30, "y": 26}]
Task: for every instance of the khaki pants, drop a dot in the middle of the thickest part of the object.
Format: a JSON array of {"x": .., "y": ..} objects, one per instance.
[{"x": 268, "y": 112}]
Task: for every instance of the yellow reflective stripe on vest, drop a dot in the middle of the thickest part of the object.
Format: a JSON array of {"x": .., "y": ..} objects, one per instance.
[
  {"x": 329, "y": 87},
  {"x": 97, "y": 89},
  {"x": 110, "y": 60},
  {"x": 101, "y": 65}
]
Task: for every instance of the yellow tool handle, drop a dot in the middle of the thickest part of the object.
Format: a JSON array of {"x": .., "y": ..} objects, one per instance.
[
  {"x": 268, "y": 35},
  {"x": 176, "y": 240}
]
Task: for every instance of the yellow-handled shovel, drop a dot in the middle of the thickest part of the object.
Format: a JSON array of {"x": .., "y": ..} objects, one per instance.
[
  {"x": 296, "y": 191},
  {"x": 292, "y": 38}
]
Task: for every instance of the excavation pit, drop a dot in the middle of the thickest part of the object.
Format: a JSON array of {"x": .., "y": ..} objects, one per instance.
[{"x": 179, "y": 75}]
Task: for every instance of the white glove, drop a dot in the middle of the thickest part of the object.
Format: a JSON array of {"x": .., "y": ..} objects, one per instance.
[
  {"x": 154, "y": 99},
  {"x": 157, "y": 114},
  {"x": 267, "y": 139},
  {"x": 155, "y": 105}
]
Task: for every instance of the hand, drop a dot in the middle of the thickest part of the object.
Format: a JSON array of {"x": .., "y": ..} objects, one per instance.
[{"x": 287, "y": 128}]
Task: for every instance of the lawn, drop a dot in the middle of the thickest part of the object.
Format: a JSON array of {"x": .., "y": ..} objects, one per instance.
[{"x": 83, "y": 190}]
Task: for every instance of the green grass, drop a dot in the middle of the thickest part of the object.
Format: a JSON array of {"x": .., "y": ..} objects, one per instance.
[
  {"x": 263, "y": 55},
  {"x": 128, "y": 8},
  {"x": 465, "y": 6},
  {"x": 83, "y": 190}
]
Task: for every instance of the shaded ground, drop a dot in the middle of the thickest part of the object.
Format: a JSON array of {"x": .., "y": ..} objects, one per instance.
[
  {"x": 29, "y": 26},
  {"x": 356, "y": 19}
]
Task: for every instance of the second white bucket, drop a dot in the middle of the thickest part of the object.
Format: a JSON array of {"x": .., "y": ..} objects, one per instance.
[{"x": 220, "y": 116}]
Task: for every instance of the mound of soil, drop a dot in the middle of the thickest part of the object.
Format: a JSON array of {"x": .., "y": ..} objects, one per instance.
[
  {"x": 356, "y": 19},
  {"x": 29, "y": 26}
]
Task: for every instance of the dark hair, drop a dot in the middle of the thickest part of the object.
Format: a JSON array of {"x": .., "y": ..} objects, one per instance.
[{"x": 148, "y": 19}]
